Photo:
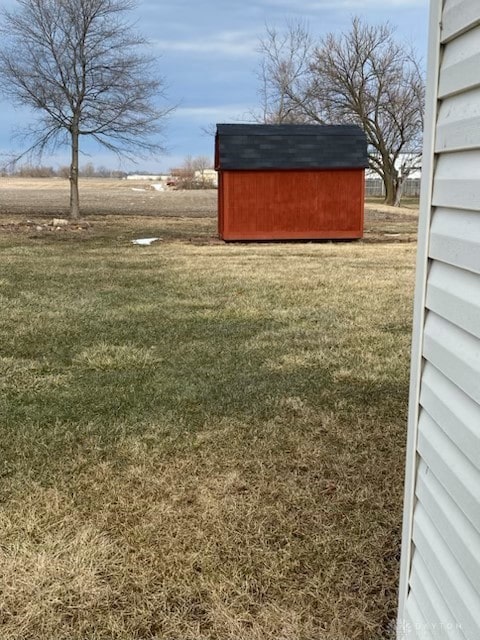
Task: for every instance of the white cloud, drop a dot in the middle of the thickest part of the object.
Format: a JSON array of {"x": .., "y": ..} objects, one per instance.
[
  {"x": 371, "y": 4},
  {"x": 224, "y": 43},
  {"x": 310, "y": 5},
  {"x": 214, "y": 113}
]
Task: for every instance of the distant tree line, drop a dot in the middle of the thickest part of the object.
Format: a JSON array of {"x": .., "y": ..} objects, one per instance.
[{"x": 42, "y": 171}]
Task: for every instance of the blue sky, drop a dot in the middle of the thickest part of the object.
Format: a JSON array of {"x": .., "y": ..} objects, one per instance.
[{"x": 207, "y": 53}]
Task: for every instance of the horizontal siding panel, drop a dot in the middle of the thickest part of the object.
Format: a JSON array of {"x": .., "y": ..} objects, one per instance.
[
  {"x": 463, "y": 193},
  {"x": 458, "y": 592},
  {"x": 458, "y": 125},
  {"x": 454, "y": 294},
  {"x": 460, "y": 64},
  {"x": 454, "y": 352},
  {"x": 452, "y": 469},
  {"x": 454, "y": 412},
  {"x": 432, "y": 603},
  {"x": 458, "y": 16},
  {"x": 457, "y": 180},
  {"x": 457, "y": 531},
  {"x": 455, "y": 238}
]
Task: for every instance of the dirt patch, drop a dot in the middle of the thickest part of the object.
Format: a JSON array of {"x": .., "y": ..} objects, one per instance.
[
  {"x": 43, "y": 230},
  {"x": 389, "y": 224},
  {"x": 387, "y": 212},
  {"x": 37, "y": 198}
]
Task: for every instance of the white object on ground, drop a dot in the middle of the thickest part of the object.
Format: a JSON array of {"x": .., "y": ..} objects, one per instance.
[{"x": 145, "y": 241}]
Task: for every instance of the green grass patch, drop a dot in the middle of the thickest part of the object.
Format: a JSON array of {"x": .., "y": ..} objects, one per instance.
[{"x": 200, "y": 441}]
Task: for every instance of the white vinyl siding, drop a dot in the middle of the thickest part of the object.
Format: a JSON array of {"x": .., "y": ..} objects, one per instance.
[
  {"x": 455, "y": 238},
  {"x": 440, "y": 567}
]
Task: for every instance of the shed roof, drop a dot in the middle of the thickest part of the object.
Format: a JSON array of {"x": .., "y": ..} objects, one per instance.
[{"x": 290, "y": 146}]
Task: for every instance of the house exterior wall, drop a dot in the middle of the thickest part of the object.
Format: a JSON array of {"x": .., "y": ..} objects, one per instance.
[
  {"x": 440, "y": 566},
  {"x": 291, "y": 204}
]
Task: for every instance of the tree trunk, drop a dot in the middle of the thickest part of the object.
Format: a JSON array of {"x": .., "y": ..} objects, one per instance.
[
  {"x": 74, "y": 196},
  {"x": 399, "y": 193},
  {"x": 389, "y": 180}
]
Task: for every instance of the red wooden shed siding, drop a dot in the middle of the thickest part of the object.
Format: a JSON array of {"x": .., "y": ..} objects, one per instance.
[{"x": 303, "y": 204}]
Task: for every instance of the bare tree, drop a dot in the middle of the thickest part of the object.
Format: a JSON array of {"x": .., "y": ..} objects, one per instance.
[
  {"x": 285, "y": 74},
  {"x": 362, "y": 77},
  {"x": 82, "y": 67},
  {"x": 201, "y": 164},
  {"x": 87, "y": 171},
  {"x": 184, "y": 173},
  {"x": 192, "y": 173}
]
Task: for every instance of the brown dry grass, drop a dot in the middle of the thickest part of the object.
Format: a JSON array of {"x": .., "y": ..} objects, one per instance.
[{"x": 200, "y": 441}]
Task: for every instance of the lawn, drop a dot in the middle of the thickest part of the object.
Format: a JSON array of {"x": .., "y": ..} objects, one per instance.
[{"x": 199, "y": 440}]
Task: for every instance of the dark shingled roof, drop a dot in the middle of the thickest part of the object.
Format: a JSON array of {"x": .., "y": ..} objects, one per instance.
[{"x": 290, "y": 146}]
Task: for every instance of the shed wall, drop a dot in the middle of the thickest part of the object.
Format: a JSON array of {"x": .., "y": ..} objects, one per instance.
[
  {"x": 293, "y": 204},
  {"x": 440, "y": 568}
]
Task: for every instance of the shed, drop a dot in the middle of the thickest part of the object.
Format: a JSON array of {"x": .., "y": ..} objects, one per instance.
[
  {"x": 290, "y": 182},
  {"x": 440, "y": 563}
]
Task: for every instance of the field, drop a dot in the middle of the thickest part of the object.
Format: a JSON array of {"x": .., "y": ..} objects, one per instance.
[
  {"x": 200, "y": 441},
  {"x": 43, "y": 199}
]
